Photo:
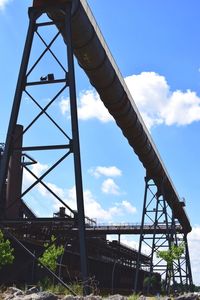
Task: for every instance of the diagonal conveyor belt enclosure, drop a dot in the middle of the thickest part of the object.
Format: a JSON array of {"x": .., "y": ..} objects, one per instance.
[{"x": 96, "y": 60}]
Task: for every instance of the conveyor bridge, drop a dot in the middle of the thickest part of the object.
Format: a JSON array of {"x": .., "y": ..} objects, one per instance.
[
  {"x": 63, "y": 227},
  {"x": 82, "y": 37}
]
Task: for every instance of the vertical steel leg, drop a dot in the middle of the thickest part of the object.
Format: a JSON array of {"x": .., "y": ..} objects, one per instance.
[
  {"x": 76, "y": 150},
  {"x": 15, "y": 109},
  {"x": 169, "y": 238},
  {"x": 141, "y": 237},
  {"x": 189, "y": 279},
  {"x": 14, "y": 178},
  {"x": 153, "y": 243}
]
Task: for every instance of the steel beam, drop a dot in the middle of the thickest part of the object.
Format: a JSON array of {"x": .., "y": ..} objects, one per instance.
[{"x": 15, "y": 108}]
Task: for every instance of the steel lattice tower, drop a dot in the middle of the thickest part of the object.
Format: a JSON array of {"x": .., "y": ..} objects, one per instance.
[
  {"x": 22, "y": 143},
  {"x": 164, "y": 231}
]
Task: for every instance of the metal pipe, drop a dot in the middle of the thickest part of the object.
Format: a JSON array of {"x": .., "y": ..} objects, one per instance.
[{"x": 96, "y": 60}]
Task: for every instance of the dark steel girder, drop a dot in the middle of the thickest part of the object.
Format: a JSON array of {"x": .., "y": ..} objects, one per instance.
[{"x": 69, "y": 226}]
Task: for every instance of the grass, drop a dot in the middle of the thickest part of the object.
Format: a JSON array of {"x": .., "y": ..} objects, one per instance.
[{"x": 133, "y": 297}]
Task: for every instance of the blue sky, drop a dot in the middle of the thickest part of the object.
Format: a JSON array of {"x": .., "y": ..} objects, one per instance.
[{"x": 156, "y": 46}]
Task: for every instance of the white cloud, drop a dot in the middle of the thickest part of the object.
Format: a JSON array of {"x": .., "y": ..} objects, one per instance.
[
  {"x": 105, "y": 171},
  {"x": 89, "y": 107},
  {"x": 57, "y": 190},
  {"x": 130, "y": 242},
  {"x": 64, "y": 106},
  {"x": 194, "y": 249},
  {"x": 3, "y": 4},
  {"x": 37, "y": 169},
  {"x": 182, "y": 109},
  {"x": 158, "y": 104},
  {"x": 110, "y": 187},
  {"x": 129, "y": 207},
  {"x": 154, "y": 98},
  {"x": 93, "y": 209}
]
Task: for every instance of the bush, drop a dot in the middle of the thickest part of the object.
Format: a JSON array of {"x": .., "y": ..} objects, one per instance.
[
  {"x": 6, "y": 251},
  {"x": 51, "y": 254}
]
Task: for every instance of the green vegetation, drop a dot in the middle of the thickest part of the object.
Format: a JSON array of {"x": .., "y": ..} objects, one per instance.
[
  {"x": 50, "y": 256},
  {"x": 6, "y": 251},
  {"x": 133, "y": 297},
  {"x": 173, "y": 253},
  {"x": 47, "y": 285},
  {"x": 77, "y": 287}
]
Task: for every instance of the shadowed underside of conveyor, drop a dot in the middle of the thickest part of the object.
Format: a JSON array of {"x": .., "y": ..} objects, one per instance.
[{"x": 96, "y": 60}]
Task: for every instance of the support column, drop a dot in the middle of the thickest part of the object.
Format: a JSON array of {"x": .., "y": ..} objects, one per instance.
[
  {"x": 15, "y": 109},
  {"x": 141, "y": 237},
  {"x": 158, "y": 234},
  {"x": 188, "y": 280},
  {"x": 14, "y": 180},
  {"x": 76, "y": 151}
]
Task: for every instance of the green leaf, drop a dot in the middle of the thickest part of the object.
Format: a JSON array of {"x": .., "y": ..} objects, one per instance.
[
  {"x": 51, "y": 254},
  {"x": 6, "y": 251}
]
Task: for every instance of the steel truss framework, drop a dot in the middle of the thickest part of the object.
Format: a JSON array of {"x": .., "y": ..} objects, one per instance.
[
  {"x": 27, "y": 91},
  {"x": 157, "y": 212}
]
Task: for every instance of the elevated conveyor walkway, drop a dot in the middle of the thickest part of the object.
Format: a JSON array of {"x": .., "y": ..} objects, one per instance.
[
  {"x": 96, "y": 60},
  {"x": 67, "y": 226}
]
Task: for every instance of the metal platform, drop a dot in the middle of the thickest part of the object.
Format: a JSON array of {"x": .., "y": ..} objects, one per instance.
[{"x": 63, "y": 226}]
